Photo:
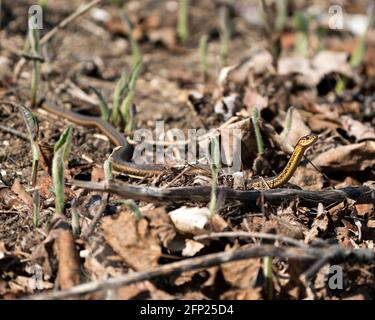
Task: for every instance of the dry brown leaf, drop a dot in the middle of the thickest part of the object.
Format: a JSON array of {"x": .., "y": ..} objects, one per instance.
[
  {"x": 142, "y": 290},
  {"x": 166, "y": 36},
  {"x": 11, "y": 201},
  {"x": 132, "y": 240},
  {"x": 22, "y": 193},
  {"x": 97, "y": 174},
  {"x": 243, "y": 294},
  {"x": 286, "y": 222},
  {"x": 364, "y": 209},
  {"x": 253, "y": 99},
  {"x": 320, "y": 122},
  {"x": 3, "y": 250},
  {"x": 191, "y": 248},
  {"x": 160, "y": 224},
  {"x": 69, "y": 267},
  {"x": 218, "y": 224},
  {"x": 307, "y": 179},
  {"x": 319, "y": 225},
  {"x": 313, "y": 70},
  {"x": 45, "y": 185},
  {"x": 241, "y": 274},
  {"x": 190, "y": 220},
  {"x": 353, "y": 157},
  {"x": 298, "y": 128},
  {"x": 357, "y": 129}
]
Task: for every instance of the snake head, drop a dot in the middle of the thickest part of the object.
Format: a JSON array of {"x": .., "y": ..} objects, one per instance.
[{"x": 308, "y": 140}]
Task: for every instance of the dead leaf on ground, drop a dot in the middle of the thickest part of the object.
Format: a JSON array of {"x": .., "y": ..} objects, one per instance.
[
  {"x": 241, "y": 274},
  {"x": 298, "y": 128},
  {"x": 191, "y": 248},
  {"x": 364, "y": 209},
  {"x": 353, "y": 157},
  {"x": 319, "y": 226},
  {"x": 307, "y": 178},
  {"x": 286, "y": 222},
  {"x": 22, "y": 193},
  {"x": 253, "y": 99},
  {"x": 3, "y": 250},
  {"x": 160, "y": 224},
  {"x": 45, "y": 187},
  {"x": 357, "y": 129},
  {"x": 243, "y": 294},
  {"x": 132, "y": 240},
  {"x": 166, "y": 36},
  {"x": 69, "y": 266},
  {"x": 190, "y": 220},
  {"x": 97, "y": 174},
  {"x": 315, "y": 69},
  {"x": 11, "y": 200},
  {"x": 142, "y": 290}
]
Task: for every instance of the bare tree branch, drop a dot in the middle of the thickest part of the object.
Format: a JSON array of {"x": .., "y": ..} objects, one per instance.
[
  {"x": 362, "y": 194},
  {"x": 334, "y": 253}
]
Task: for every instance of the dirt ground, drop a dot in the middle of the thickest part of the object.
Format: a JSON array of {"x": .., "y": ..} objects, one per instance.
[{"x": 312, "y": 238}]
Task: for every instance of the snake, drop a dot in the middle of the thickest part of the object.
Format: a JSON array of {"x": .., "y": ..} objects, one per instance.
[
  {"x": 284, "y": 176},
  {"x": 121, "y": 158}
]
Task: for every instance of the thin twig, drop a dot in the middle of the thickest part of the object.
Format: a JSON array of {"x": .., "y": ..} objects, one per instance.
[
  {"x": 14, "y": 132},
  {"x": 244, "y": 234},
  {"x": 335, "y": 253},
  {"x": 362, "y": 194}
]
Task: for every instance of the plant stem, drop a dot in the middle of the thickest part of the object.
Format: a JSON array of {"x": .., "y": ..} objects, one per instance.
[
  {"x": 182, "y": 23},
  {"x": 258, "y": 136}
]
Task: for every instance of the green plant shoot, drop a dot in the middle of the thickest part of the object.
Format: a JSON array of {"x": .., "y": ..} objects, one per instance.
[
  {"x": 203, "y": 45},
  {"x": 214, "y": 148},
  {"x": 258, "y": 136},
  {"x": 133, "y": 207},
  {"x": 182, "y": 23},
  {"x": 108, "y": 165},
  {"x": 103, "y": 105},
  {"x": 32, "y": 132},
  {"x": 61, "y": 154},
  {"x": 34, "y": 46},
  {"x": 225, "y": 35},
  {"x": 128, "y": 101}
]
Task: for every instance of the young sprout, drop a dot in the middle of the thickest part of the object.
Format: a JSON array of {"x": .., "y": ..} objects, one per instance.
[
  {"x": 214, "y": 149},
  {"x": 258, "y": 136},
  {"x": 36, "y": 208},
  {"x": 357, "y": 56},
  {"x": 43, "y": 4},
  {"x": 273, "y": 27},
  {"x": 225, "y": 35},
  {"x": 108, "y": 165},
  {"x": 288, "y": 123},
  {"x": 61, "y": 154},
  {"x": 281, "y": 15},
  {"x": 133, "y": 206},
  {"x": 33, "y": 36},
  {"x": 32, "y": 131},
  {"x": 136, "y": 51},
  {"x": 103, "y": 105},
  {"x": 182, "y": 23},
  {"x": 118, "y": 3},
  {"x": 203, "y": 44},
  {"x": 301, "y": 22},
  {"x": 118, "y": 94},
  {"x": 126, "y": 112},
  {"x": 267, "y": 272}
]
